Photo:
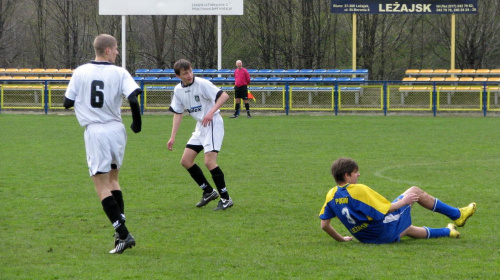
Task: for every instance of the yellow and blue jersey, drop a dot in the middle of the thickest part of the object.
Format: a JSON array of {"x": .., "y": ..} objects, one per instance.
[{"x": 364, "y": 212}]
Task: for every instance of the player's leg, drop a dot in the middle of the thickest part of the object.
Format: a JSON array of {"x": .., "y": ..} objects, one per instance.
[
  {"x": 187, "y": 161},
  {"x": 425, "y": 232},
  {"x": 237, "y": 105},
  {"x": 247, "y": 107}
]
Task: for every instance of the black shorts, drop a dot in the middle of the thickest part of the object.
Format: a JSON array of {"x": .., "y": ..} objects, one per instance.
[{"x": 241, "y": 92}]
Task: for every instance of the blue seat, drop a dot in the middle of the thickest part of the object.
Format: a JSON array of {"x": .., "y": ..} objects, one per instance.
[
  {"x": 265, "y": 71},
  {"x": 230, "y": 79},
  {"x": 333, "y": 71},
  {"x": 255, "y": 88},
  {"x": 347, "y": 71},
  {"x": 319, "y": 71},
  {"x": 138, "y": 78},
  {"x": 252, "y": 71},
  {"x": 306, "y": 71},
  {"x": 287, "y": 79},
  {"x": 155, "y": 71},
  {"x": 291, "y": 71},
  {"x": 278, "y": 71},
  {"x": 210, "y": 71},
  {"x": 274, "y": 79},
  {"x": 149, "y": 79},
  {"x": 227, "y": 88},
  {"x": 156, "y": 87},
  {"x": 302, "y": 79},
  {"x": 350, "y": 88},
  {"x": 197, "y": 71},
  {"x": 343, "y": 79},
  {"x": 258, "y": 79},
  {"x": 316, "y": 79},
  {"x": 164, "y": 79},
  {"x": 175, "y": 80},
  {"x": 361, "y": 71},
  {"x": 329, "y": 79},
  {"x": 141, "y": 71},
  {"x": 357, "y": 79},
  {"x": 225, "y": 71},
  {"x": 218, "y": 79},
  {"x": 169, "y": 71}
]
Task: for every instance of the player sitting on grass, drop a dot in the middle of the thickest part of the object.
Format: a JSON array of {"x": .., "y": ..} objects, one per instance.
[{"x": 373, "y": 219}]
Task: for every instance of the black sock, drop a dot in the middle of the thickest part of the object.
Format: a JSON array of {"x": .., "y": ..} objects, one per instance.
[
  {"x": 219, "y": 181},
  {"x": 199, "y": 178},
  {"x": 247, "y": 106},
  {"x": 237, "y": 109},
  {"x": 117, "y": 194},
  {"x": 112, "y": 210}
]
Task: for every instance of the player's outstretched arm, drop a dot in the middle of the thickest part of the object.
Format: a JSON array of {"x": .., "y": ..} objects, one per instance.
[
  {"x": 176, "y": 122},
  {"x": 136, "y": 125},
  {"x": 68, "y": 103},
  {"x": 327, "y": 227}
]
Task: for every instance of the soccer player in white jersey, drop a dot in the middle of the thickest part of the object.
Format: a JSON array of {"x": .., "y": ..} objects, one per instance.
[
  {"x": 96, "y": 90},
  {"x": 202, "y": 100}
]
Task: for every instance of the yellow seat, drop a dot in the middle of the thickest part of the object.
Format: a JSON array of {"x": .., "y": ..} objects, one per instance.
[
  {"x": 38, "y": 71},
  {"x": 412, "y": 71},
  {"x": 466, "y": 79},
  {"x": 495, "y": 71},
  {"x": 455, "y": 71},
  {"x": 11, "y": 70},
  {"x": 426, "y": 71},
  {"x": 5, "y": 77},
  {"x": 24, "y": 71},
  {"x": 423, "y": 79},
  {"x": 405, "y": 88},
  {"x": 422, "y": 88},
  {"x": 65, "y": 71},
  {"x": 483, "y": 71},
  {"x": 476, "y": 88},
  {"x": 495, "y": 88},
  {"x": 409, "y": 79},
  {"x": 59, "y": 78},
  {"x": 469, "y": 71},
  {"x": 441, "y": 71},
  {"x": 51, "y": 71},
  {"x": 19, "y": 78},
  {"x": 451, "y": 79},
  {"x": 480, "y": 79},
  {"x": 447, "y": 88},
  {"x": 494, "y": 79},
  {"x": 437, "y": 79},
  {"x": 46, "y": 78}
]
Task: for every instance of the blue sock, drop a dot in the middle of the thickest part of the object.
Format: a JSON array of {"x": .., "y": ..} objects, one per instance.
[
  {"x": 443, "y": 208},
  {"x": 437, "y": 232}
]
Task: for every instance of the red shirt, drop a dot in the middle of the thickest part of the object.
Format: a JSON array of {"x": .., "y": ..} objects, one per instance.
[{"x": 241, "y": 77}]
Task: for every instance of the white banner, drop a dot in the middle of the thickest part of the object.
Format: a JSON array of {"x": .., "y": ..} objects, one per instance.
[{"x": 170, "y": 7}]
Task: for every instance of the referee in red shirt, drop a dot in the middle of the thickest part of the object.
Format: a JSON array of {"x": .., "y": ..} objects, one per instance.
[{"x": 241, "y": 82}]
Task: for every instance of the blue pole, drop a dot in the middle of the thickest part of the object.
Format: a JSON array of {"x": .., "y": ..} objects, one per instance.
[
  {"x": 287, "y": 98},
  {"x": 485, "y": 99},
  {"x": 336, "y": 97},
  {"x": 385, "y": 98},
  {"x": 46, "y": 94},
  {"x": 434, "y": 99}
]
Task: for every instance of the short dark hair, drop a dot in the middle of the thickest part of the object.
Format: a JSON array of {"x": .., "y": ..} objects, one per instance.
[
  {"x": 343, "y": 166},
  {"x": 103, "y": 41},
  {"x": 181, "y": 64}
]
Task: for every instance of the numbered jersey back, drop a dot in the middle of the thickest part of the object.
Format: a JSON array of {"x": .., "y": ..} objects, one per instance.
[{"x": 98, "y": 89}]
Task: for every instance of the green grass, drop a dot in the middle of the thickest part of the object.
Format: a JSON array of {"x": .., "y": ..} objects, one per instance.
[{"x": 277, "y": 169}]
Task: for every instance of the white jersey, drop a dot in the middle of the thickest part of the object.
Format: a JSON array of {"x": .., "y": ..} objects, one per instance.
[
  {"x": 97, "y": 89},
  {"x": 197, "y": 98}
]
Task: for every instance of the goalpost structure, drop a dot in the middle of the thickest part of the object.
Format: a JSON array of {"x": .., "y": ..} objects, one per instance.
[{"x": 171, "y": 7}]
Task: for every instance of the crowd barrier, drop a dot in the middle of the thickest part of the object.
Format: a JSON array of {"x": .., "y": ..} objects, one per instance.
[{"x": 335, "y": 96}]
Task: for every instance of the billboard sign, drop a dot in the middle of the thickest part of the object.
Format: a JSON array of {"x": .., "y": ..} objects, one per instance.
[
  {"x": 170, "y": 7},
  {"x": 404, "y": 6}
]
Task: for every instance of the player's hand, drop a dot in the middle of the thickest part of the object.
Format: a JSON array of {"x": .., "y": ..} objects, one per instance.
[
  {"x": 347, "y": 238},
  {"x": 409, "y": 198},
  {"x": 170, "y": 144},
  {"x": 136, "y": 127},
  {"x": 207, "y": 119}
]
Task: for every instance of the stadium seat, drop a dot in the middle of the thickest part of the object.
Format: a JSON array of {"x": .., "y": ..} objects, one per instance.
[
  {"x": 319, "y": 71},
  {"x": 38, "y": 71},
  {"x": 164, "y": 79},
  {"x": 19, "y": 78},
  {"x": 168, "y": 71},
  {"x": 218, "y": 79},
  {"x": 274, "y": 79},
  {"x": 361, "y": 71},
  {"x": 305, "y": 71},
  {"x": 65, "y": 71},
  {"x": 258, "y": 79},
  {"x": 265, "y": 71},
  {"x": 495, "y": 72},
  {"x": 494, "y": 79},
  {"x": 423, "y": 79},
  {"x": 252, "y": 71},
  {"x": 175, "y": 80},
  {"x": 412, "y": 71},
  {"x": 440, "y": 71},
  {"x": 409, "y": 79},
  {"x": 138, "y": 78},
  {"x": 51, "y": 71},
  {"x": 149, "y": 79},
  {"x": 315, "y": 79},
  {"x": 141, "y": 71},
  {"x": 197, "y": 71},
  {"x": 332, "y": 71},
  {"x": 329, "y": 79},
  {"x": 437, "y": 79},
  {"x": 455, "y": 71},
  {"x": 301, "y": 79},
  {"x": 155, "y": 71},
  {"x": 291, "y": 71},
  {"x": 451, "y": 79},
  {"x": 225, "y": 71},
  {"x": 288, "y": 79},
  {"x": 5, "y": 78},
  {"x": 465, "y": 79},
  {"x": 483, "y": 71},
  {"x": 210, "y": 71},
  {"x": 278, "y": 71},
  {"x": 426, "y": 71},
  {"x": 480, "y": 79},
  {"x": 468, "y": 71},
  {"x": 343, "y": 79},
  {"x": 357, "y": 79},
  {"x": 230, "y": 79}
]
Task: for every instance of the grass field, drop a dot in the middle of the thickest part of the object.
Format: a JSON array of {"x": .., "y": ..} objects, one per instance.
[{"x": 277, "y": 169}]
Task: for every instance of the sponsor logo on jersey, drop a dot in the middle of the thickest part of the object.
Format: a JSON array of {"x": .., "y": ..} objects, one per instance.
[
  {"x": 194, "y": 109},
  {"x": 197, "y": 98}
]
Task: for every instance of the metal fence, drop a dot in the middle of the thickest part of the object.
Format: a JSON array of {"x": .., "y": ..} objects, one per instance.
[{"x": 336, "y": 97}]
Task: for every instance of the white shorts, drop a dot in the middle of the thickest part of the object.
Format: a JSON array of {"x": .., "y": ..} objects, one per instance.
[
  {"x": 210, "y": 137},
  {"x": 105, "y": 145}
]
